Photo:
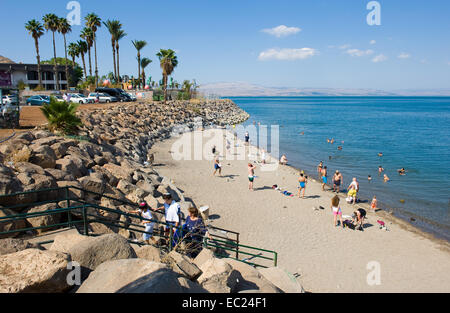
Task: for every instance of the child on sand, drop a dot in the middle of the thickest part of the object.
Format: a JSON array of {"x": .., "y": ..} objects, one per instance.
[
  {"x": 217, "y": 167},
  {"x": 374, "y": 203},
  {"x": 251, "y": 175},
  {"x": 336, "y": 210},
  {"x": 302, "y": 181}
]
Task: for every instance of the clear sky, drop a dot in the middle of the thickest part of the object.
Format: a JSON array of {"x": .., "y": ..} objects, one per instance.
[{"x": 298, "y": 43}]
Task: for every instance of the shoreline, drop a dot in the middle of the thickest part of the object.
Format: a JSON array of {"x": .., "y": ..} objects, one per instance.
[{"x": 320, "y": 256}]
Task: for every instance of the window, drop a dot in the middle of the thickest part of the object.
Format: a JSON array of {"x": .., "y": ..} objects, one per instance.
[
  {"x": 32, "y": 75},
  {"x": 62, "y": 76}
]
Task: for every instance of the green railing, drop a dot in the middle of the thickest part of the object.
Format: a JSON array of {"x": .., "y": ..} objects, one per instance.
[{"x": 79, "y": 207}]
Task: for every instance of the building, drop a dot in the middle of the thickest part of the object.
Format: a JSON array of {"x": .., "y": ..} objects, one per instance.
[{"x": 11, "y": 74}]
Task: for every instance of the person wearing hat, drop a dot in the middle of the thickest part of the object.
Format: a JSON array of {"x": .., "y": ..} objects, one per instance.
[
  {"x": 144, "y": 211},
  {"x": 171, "y": 210},
  {"x": 337, "y": 181}
]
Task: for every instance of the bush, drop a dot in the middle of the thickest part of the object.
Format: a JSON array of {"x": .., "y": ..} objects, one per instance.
[
  {"x": 19, "y": 155},
  {"x": 61, "y": 116}
]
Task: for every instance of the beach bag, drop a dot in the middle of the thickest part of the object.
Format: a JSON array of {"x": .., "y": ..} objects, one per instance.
[
  {"x": 349, "y": 199},
  {"x": 349, "y": 224}
]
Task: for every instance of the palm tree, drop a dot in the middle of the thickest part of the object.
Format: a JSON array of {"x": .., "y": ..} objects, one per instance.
[
  {"x": 187, "y": 87},
  {"x": 51, "y": 22},
  {"x": 73, "y": 51},
  {"x": 64, "y": 28},
  {"x": 61, "y": 116},
  {"x": 36, "y": 30},
  {"x": 94, "y": 22},
  {"x": 88, "y": 36},
  {"x": 144, "y": 63},
  {"x": 83, "y": 48},
  {"x": 120, "y": 34},
  {"x": 139, "y": 45},
  {"x": 167, "y": 61},
  {"x": 113, "y": 28}
]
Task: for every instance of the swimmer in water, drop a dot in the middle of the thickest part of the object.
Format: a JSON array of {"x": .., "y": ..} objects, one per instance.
[
  {"x": 302, "y": 133},
  {"x": 332, "y": 140},
  {"x": 340, "y": 148},
  {"x": 369, "y": 178},
  {"x": 386, "y": 178},
  {"x": 380, "y": 170},
  {"x": 402, "y": 171},
  {"x": 380, "y": 154}
]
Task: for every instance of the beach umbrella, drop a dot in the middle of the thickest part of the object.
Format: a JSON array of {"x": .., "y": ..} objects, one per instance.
[
  {"x": 106, "y": 82},
  {"x": 147, "y": 87}
]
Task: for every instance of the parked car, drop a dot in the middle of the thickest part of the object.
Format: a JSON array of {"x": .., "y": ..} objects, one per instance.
[
  {"x": 58, "y": 98},
  {"x": 79, "y": 98},
  {"x": 102, "y": 97},
  {"x": 38, "y": 100},
  {"x": 10, "y": 99},
  {"x": 121, "y": 95},
  {"x": 133, "y": 97}
]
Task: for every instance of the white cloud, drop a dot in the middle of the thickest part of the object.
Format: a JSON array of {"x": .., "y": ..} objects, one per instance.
[
  {"x": 372, "y": 42},
  {"x": 287, "y": 54},
  {"x": 358, "y": 53},
  {"x": 282, "y": 31},
  {"x": 379, "y": 58},
  {"x": 404, "y": 55},
  {"x": 346, "y": 46}
]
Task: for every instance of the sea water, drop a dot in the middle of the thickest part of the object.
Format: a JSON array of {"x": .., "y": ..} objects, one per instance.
[{"x": 411, "y": 132}]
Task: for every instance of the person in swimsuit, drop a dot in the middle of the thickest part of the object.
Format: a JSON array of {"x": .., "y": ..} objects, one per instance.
[
  {"x": 402, "y": 171},
  {"x": 283, "y": 160},
  {"x": 386, "y": 178},
  {"x": 374, "y": 203},
  {"x": 358, "y": 218},
  {"x": 369, "y": 178},
  {"x": 380, "y": 170},
  {"x": 217, "y": 167},
  {"x": 319, "y": 168},
  {"x": 336, "y": 210},
  {"x": 353, "y": 189},
  {"x": 251, "y": 175},
  {"x": 302, "y": 181},
  {"x": 380, "y": 154},
  {"x": 247, "y": 138},
  {"x": 337, "y": 181},
  {"x": 324, "y": 177}
]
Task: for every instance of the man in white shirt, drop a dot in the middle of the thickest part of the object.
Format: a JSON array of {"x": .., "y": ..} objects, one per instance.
[{"x": 172, "y": 211}]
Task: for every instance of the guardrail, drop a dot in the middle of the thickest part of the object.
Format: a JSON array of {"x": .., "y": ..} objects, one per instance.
[{"x": 218, "y": 238}]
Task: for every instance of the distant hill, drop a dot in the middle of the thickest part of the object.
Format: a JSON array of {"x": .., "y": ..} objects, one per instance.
[
  {"x": 5, "y": 60},
  {"x": 243, "y": 89}
]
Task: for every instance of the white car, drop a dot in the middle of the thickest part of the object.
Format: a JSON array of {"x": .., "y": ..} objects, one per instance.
[
  {"x": 9, "y": 100},
  {"x": 79, "y": 98},
  {"x": 102, "y": 97}
]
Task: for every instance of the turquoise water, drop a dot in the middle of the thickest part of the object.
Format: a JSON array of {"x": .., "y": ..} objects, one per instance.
[{"x": 411, "y": 132}]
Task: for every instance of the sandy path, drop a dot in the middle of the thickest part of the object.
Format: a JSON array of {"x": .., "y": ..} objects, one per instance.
[{"x": 328, "y": 258}]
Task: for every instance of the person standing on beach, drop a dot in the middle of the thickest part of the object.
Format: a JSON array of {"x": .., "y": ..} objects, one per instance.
[
  {"x": 247, "y": 138},
  {"x": 336, "y": 210},
  {"x": 324, "y": 177},
  {"x": 319, "y": 168},
  {"x": 217, "y": 167},
  {"x": 374, "y": 203},
  {"x": 353, "y": 189},
  {"x": 302, "y": 181},
  {"x": 251, "y": 175},
  {"x": 337, "y": 181},
  {"x": 263, "y": 156}
]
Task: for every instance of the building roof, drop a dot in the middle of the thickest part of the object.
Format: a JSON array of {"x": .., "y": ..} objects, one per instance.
[{"x": 6, "y": 60}]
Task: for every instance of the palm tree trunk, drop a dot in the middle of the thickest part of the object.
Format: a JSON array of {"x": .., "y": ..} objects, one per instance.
[
  {"x": 118, "y": 69},
  {"x": 95, "y": 53},
  {"x": 67, "y": 66},
  {"x": 55, "y": 67},
  {"x": 38, "y": 58},
  {"x": 114, "y": 59},
  {"x": 165, "y": 88},
  {"x": 84, "y": 65},
  {"x": 90, "y": 62},
  {"x": 139, "y": 69}
]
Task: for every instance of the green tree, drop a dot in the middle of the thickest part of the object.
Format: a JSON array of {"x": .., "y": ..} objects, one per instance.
[
  {"x": 94, "y": 22},
  {"x": 61, "y": 116},
  {"x": 144, "y": 63},
  {"x": 139, "y": 45},
  {"x": 51, "y": 23},
  {"x": 73, "y": 51},
  {"x": 65, "y": 28},
  {"x": 88, "y": 36},
  {"x": 76, "y": 75},
  {"x": 113, "y": 28},
  {"x": 83, "y": 47},
  {"x": 168, "y": 61},
  {"x": 120, "y": 34},
  {"x": 36, "y": 30}
]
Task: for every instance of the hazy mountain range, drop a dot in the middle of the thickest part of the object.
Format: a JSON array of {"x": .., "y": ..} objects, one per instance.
[{"x": 243, "y": 89}]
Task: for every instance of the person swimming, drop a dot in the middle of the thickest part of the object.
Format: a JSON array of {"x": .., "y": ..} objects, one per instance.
[
  {"x": 386, "y": 178},
  {"x": 402, "y": 171},
  {"x": 380, "y": 170},
  {"x": 380, "y": 154},
  {"x": 339, "y": 148},
  {"x": 369, "y": 178}
]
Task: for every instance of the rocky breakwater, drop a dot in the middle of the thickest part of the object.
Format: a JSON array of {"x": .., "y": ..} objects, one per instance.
[{"x": 133, "y": 128}]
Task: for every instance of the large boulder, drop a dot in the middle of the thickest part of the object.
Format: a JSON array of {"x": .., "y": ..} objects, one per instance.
[
  {"x": 181, "y": 264},
  {"x": 91, "y": 253},
  {"x": 34, "y": 270},
  {"x": 71, "y": 165},
  {"x": 282, "y": 279},
  {"x": 12, "y": 245},
  {"x": 120, "y": 172},
  {"x": 60, "y": 148},
  {"x": 251, "y": 278},
  {"x": 65, "y": 241},
  {"x": 44, "y": 156},
  {"x": 92, "y": 184},
  {"x": 149, "y": 253},
  {"x": 10, "y": 225},
  {"x": 59, "y": 175},
  {"x": 44, "y": 220},
  {"x": 112, "y": 276},
  {"x": 218, "y": 276}
]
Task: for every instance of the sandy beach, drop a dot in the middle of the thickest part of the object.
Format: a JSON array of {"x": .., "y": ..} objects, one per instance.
[{"x": 327, "y": 258}]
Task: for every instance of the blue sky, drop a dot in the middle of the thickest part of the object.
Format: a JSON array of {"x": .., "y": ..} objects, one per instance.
[{"x": 328, "y": 43}]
